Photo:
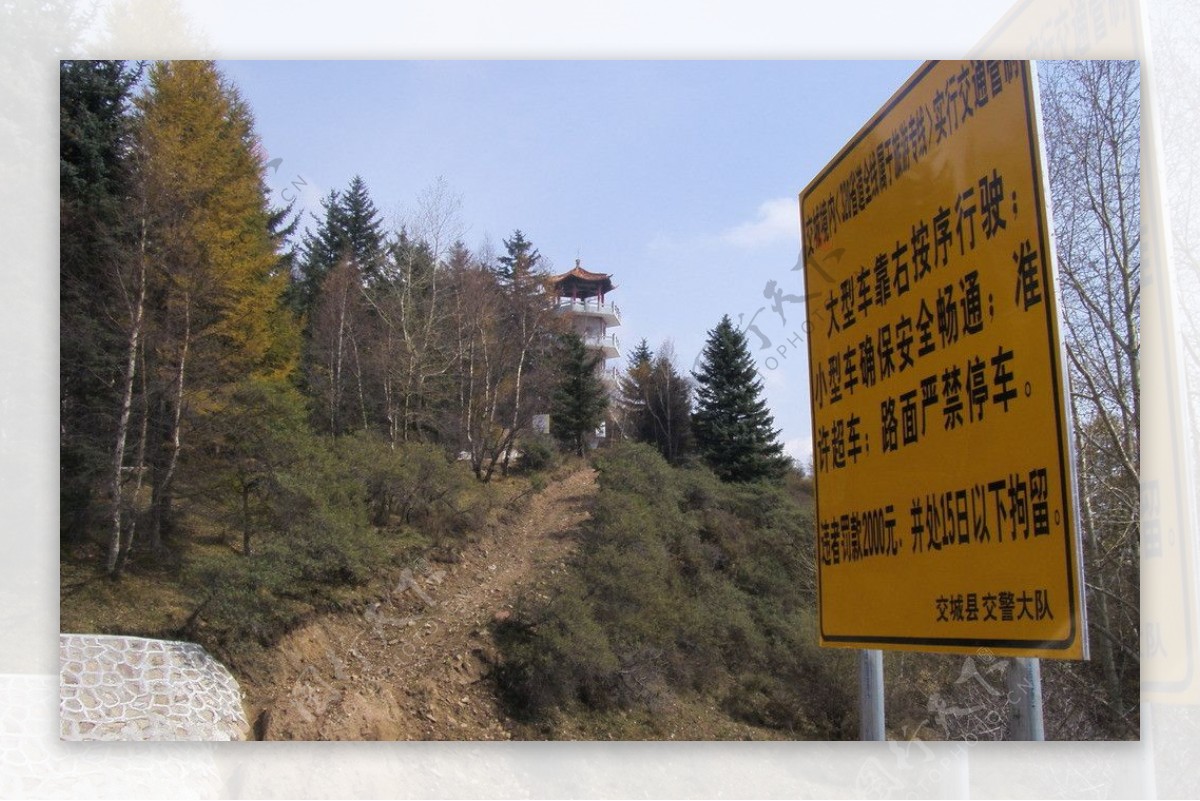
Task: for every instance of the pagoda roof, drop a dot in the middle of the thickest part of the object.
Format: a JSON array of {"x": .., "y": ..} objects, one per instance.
[{"x": 584, "y": 282}]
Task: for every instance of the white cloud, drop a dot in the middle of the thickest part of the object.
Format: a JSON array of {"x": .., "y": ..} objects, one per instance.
[{"x": 778, "y": 220}]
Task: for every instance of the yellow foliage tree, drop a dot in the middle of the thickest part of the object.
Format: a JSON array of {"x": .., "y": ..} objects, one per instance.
[{"x": 216, "y": 286}]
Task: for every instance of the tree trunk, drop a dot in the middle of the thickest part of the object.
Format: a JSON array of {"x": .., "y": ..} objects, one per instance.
[
  {"x": 137, "y": 314},
  {"x": 516, "y": 413},
  {"x": 1099, "y": 605},
  {"x": 139, "y": 467},
  {"x": 162, "y": 499},
  {"x": 362, "y": 398},
  {"x": 335, "y": 401},
  {"x": 516, "y": 417}
]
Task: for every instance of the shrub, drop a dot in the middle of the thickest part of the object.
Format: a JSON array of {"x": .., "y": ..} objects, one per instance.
[
  {"x": 312, "y": 540},
  {"x": 416, "y": 486},
  {"x": 555, "y": 656},
  {"x": 538, "y": 454},
  {"x": 681, "y": 583}
]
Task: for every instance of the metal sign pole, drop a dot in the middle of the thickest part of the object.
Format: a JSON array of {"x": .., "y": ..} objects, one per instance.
[
  {"x": 1025, "y": 700},
  {"x": 870, "y": 694}
]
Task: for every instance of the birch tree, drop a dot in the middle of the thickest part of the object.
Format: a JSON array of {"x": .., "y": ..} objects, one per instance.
[
  {"x": 481, "y": 354},
  {"x": 335, "y": 368},
  {"x": 413, "y": 312}
]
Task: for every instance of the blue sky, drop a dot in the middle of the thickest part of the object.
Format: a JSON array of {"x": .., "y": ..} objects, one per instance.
[{"x": 678, "y": 177}]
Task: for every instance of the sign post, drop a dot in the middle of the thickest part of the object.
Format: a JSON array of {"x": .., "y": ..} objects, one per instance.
[
  {"x": 1024, "y": 681},
  {"x": 870, "y": 695},
  {"x": 945, "y": 503}
]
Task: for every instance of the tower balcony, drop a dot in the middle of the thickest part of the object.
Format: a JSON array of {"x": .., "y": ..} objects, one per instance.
[
  {"x": 592, "y": 307},
  {"x": 608, "y": 345},
  {"x": 610, "y": 377}
]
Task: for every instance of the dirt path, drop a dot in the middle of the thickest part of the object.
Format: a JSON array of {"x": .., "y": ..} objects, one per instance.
[{"x": 411, "y": 666}]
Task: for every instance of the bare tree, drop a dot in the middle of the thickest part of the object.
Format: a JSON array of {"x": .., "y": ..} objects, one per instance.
[
  {"x": 337, "y": 327},
  {"x": 413, "y": 313},
  {"x": 1092, "y": 122},
  {"x": 500, "y": 343},
  {"x": 481, "y": 352},
  {"x": 669, "y": 405}
]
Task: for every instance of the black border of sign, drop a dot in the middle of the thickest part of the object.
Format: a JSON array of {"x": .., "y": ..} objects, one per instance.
[{"x": 1070, "y": 531}]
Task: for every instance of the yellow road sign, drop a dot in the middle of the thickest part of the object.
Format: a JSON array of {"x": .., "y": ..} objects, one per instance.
[{"x": 945, "y": 508}]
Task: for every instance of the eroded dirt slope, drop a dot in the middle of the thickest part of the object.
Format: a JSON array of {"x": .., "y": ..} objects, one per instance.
[{"x": 412, "y": 665}]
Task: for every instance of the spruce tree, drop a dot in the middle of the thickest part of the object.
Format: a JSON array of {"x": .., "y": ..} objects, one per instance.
[
  {"x": 411, "y": 261},
  {"x": 520, "y": 258},
  {"x": 351, "y": 230},
  {"x": 580, "y": 399},
  {"x": 634, "y": 393},
  {"x": 282, "y": 223},
  {"x": 319, "y": 251},
  {"x": 364, "y": 236},
  {"x": 733, "y": 428},
  {"x": 640, "y": 357},
  {"x": 527, "y": 315},
  {"x": 97, "y": 250},
  {"x": 460, "y": 257}
]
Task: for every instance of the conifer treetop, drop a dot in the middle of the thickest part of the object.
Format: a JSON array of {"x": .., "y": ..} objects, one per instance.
[{"x": 733, "y": 427}]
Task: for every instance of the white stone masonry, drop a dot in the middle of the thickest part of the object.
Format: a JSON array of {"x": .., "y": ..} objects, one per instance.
[{"x": 131, "y": 688}]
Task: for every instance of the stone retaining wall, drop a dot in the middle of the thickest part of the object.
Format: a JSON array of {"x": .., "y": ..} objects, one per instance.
[{"x": 130, "y": 688}]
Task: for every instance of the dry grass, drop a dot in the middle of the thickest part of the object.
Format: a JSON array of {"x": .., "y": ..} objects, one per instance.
[
  {"x": 672, "y": 718},
  {"x": 149, "y": 604}
]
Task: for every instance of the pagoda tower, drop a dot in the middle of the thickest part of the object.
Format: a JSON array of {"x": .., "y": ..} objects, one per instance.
[{"x": 582, "y": 295}]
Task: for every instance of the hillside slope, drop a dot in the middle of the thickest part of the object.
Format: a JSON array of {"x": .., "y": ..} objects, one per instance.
[{"x": 411, "y": 666}]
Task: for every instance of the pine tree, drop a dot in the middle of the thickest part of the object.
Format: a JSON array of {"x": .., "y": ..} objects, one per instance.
[
  {"x": 733, "y": 428},
  {"x": 580, "y": 399}
]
